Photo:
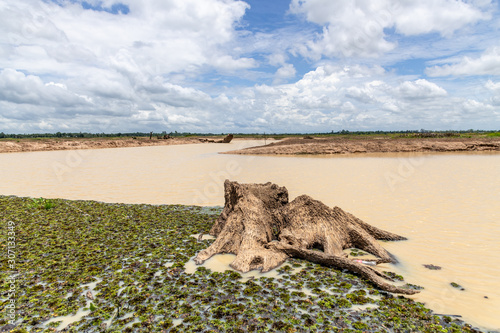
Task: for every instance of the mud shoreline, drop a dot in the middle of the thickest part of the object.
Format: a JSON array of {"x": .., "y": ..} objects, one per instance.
[
  {"x": 286, "y": 146},
  {"x": 48, "y": 144},
  {"x": 322, "y": 146}
]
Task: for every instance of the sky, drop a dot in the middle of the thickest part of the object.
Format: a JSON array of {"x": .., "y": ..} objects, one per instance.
[{"x": 255, "y": 66}]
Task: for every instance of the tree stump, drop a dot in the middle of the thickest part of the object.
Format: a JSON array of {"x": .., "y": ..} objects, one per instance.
[
  {"x": 263, "y": 229},
  {"x": 227, "y": 139}
]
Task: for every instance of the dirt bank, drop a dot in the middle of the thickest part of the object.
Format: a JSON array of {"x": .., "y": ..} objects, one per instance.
[
  {"x": 26, "y": 145},
  {"x": 299, "y": 146}
]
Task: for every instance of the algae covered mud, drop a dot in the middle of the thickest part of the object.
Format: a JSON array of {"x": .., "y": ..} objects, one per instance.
[{"x": 85, "y": 266}]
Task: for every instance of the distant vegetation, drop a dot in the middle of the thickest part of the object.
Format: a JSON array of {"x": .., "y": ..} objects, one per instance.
[
  {"x": 83, "y": 135},
  {"x": 391, "y": 134}
]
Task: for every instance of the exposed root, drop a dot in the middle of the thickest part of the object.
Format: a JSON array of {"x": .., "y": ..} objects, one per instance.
[{"x": 366, "y": 272}]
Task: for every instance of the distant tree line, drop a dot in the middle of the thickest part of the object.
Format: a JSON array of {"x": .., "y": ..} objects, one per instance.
[
  {"x": 87, "y": 135},
  {"x": 420, "y": 133}
]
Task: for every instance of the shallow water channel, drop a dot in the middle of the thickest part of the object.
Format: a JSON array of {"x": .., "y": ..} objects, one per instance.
[{"x": 446, "y": 204}]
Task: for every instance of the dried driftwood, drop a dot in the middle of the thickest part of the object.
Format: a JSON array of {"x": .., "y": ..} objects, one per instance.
[{"x": 263, "y": 229}]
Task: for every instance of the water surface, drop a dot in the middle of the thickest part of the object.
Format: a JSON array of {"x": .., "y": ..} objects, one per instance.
[{"x": 446, "y": 204}]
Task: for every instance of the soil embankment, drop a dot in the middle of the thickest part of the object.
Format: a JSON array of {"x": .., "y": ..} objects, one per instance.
[
  {"x": 300, "y": 146},
  {"x": 27, "y": 145}
]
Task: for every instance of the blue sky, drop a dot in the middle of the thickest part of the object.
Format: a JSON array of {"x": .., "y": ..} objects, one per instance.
[{"x": 248, "y": 66}]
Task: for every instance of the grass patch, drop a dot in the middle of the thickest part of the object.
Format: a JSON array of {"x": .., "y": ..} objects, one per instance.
[{"x": 41, "y": 203}]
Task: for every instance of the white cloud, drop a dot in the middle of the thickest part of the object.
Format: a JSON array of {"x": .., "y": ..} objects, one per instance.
[
  {"x": 178, "y": 96},
  {"x": 188, "y": 65},
  {"x": 487, "y": 64},
  {"x": 178, "y": 119},
  {"x": 476, "y": 108},
  {"x": 348, "y": 107},
  {"x": 494, "y": 88},
  {"x": 370, "y": 92},
  {"x": 333, "y": 98},
  {"x": 349, "y": 28},
  {"x": 327, "y": 98},
  {"x": 173, "y": 35},
  {"x": 277, "y": 59},
  {"x": 283, "y": 73},
  {"x": 420, "y": 89},
  {"x": 443, "y": 16},
  {"x": 228, "y": 63},
  {"x": 64, "y": 61},
  {"x": 16, "y": 87},
  {"x": 286, "y": 71},
  {"x": 356, "y": 28},
  {"x": 43, "y": 125}
]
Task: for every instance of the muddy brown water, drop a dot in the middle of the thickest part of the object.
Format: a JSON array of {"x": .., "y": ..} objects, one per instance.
[{"x": 448, "y": 205}]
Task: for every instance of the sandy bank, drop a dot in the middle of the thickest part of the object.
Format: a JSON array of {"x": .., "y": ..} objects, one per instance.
[
  {"x": 299, "y": 146},
  {"x": 27, "y": 145}
]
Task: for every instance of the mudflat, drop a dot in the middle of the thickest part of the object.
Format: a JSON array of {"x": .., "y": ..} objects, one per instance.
[
  {"x": 299, "y": 146},
  {"x": 96, "y": 253},
  {"x": 46, "y": 144}
]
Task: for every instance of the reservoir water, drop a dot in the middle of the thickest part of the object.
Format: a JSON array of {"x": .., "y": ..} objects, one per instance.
[{"x": 448, "y": 205}]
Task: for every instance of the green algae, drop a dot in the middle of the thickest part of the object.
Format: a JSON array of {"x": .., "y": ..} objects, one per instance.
[
  {"x": 357, "y": 252},
  {"x": 131, "y": 259},
  {"x": 394, "y": 276},
  {"x": 457, "y": 286}
]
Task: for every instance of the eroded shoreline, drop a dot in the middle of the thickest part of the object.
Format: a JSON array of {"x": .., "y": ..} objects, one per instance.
[
  {"x": 331, "y": 146},
  {"x": 50, "y": 144},
  {"x": 287, "y": 146}
]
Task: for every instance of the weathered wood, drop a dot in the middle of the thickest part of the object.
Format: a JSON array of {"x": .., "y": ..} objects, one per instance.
[
  {"x": 308, "y": 223},
  {"x": 263, "y": 229},
  {"x": 227, "y": 139},
  {"x": 246, "y": 224},
  {"x": 340, "y": 262}
]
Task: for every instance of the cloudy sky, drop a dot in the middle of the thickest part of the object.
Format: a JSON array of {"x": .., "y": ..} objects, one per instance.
[{"x": 248, "y": 66}]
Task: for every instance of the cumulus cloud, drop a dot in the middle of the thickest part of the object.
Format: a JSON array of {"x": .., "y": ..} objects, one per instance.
[
  {"x": 474, "y": 107},
  {"x": 420, "y": 89},
  {"x": 494, "y": 88},
  {"x": 277, "y": 59},
  {"x": 349, "y": 28},
  {"x": 228, "y": 63},
  {"x": 16, "y": 87},
  {"x": 361, "y": 97},
  {"x": 327, "y": 98},
  {"x": 444, "y": 16},
  {"x": 368, "y": 93},
  {"x": 487, "y": 64},
  {"x": 318, "y": 100},
  {"x": 356, "y": 28},
  {"x": 179, "y": 34},
  {"x": 62, "y": 59},
  {"x": 283, "y": 73},
  {"x": 189, "y": 65}
]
